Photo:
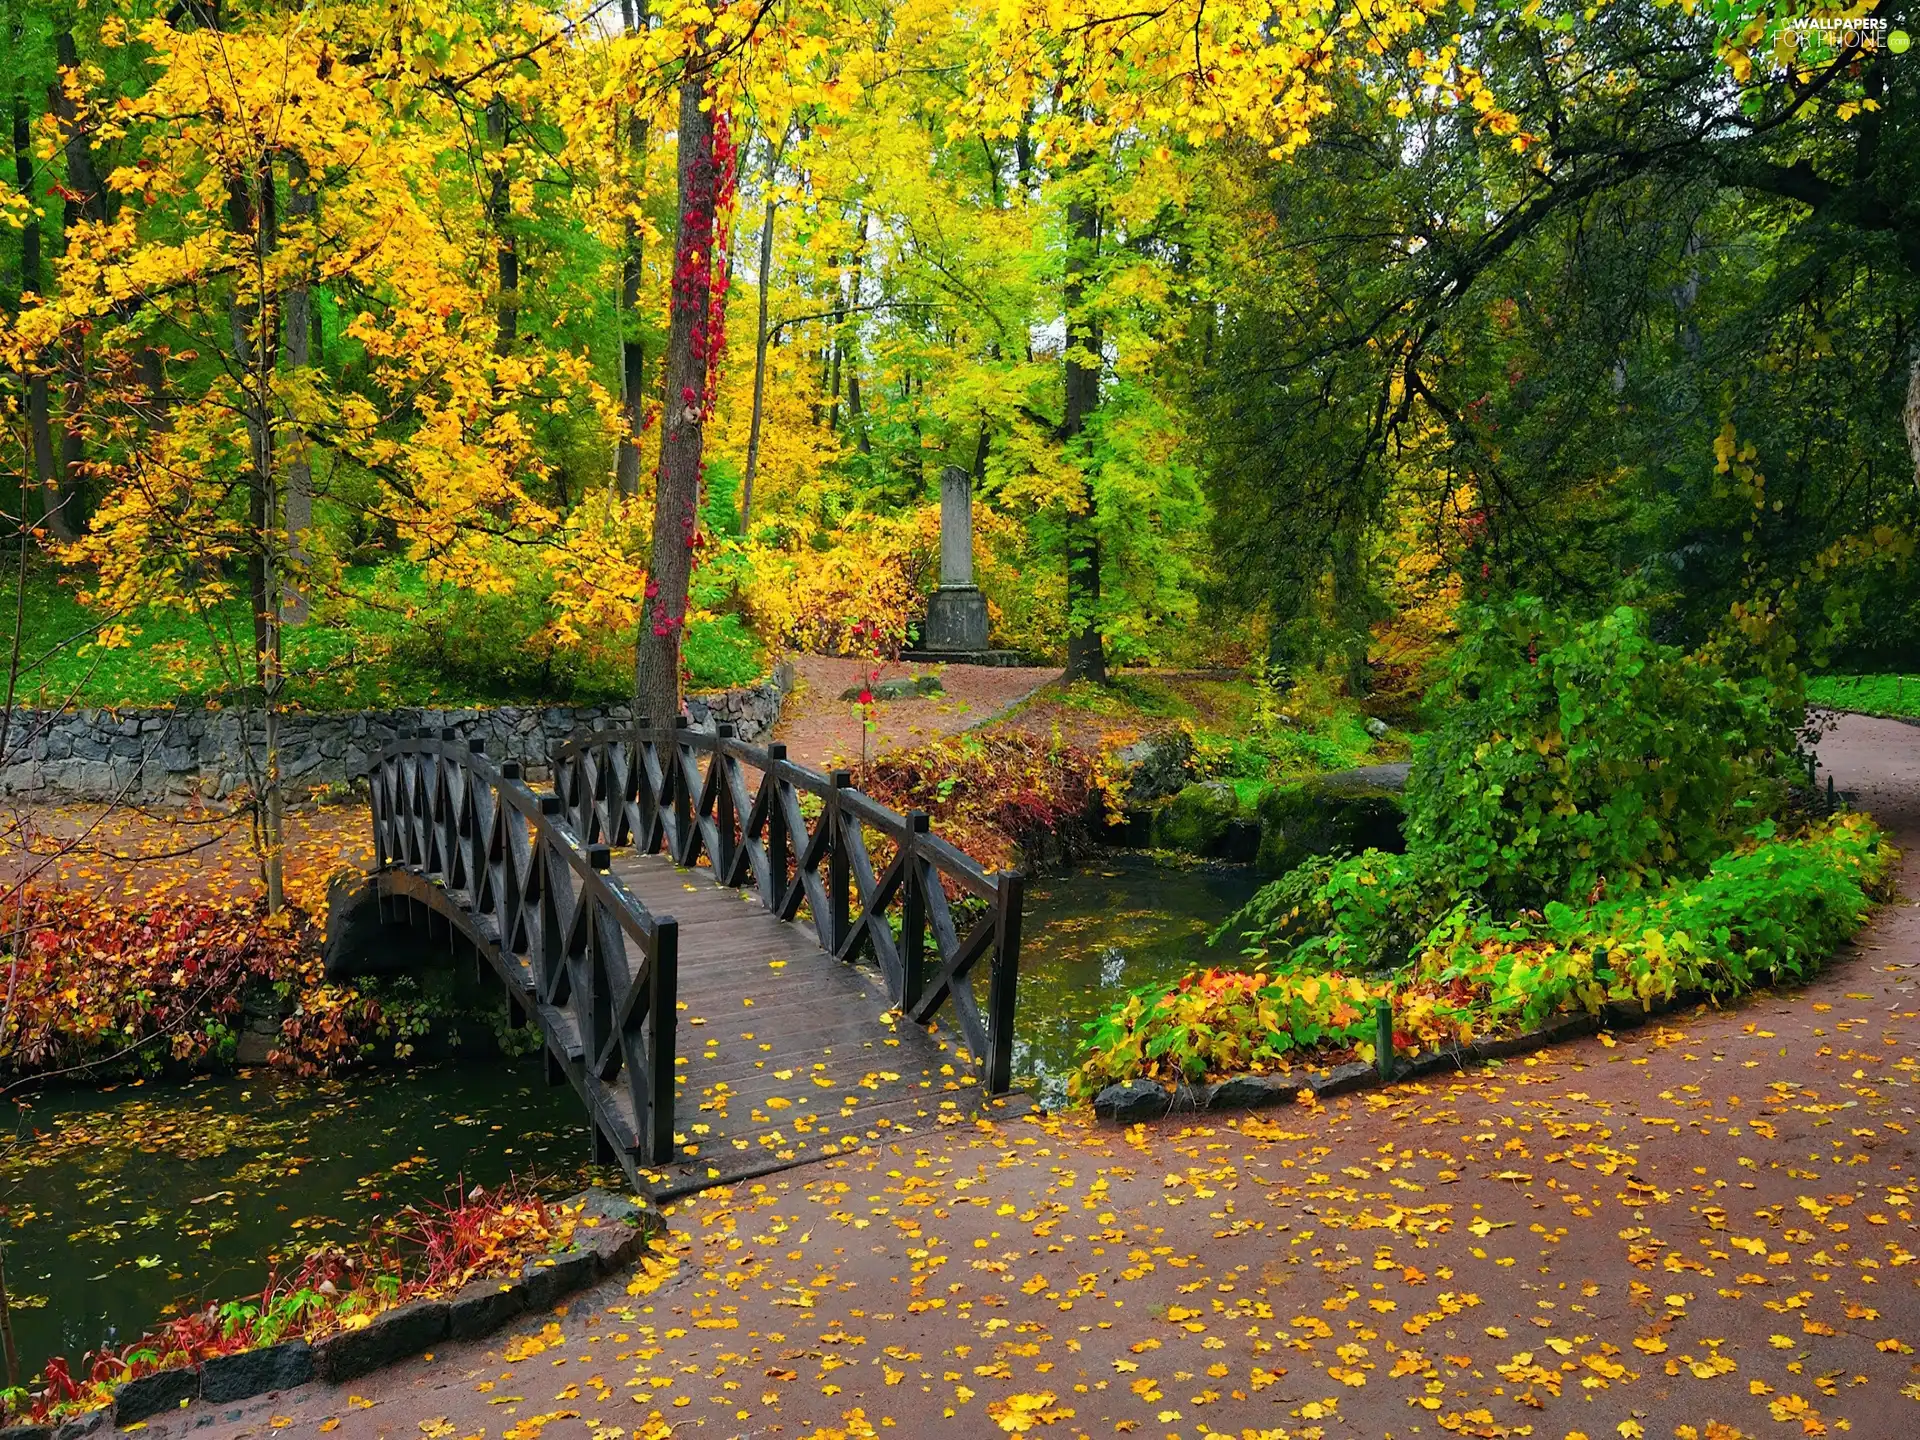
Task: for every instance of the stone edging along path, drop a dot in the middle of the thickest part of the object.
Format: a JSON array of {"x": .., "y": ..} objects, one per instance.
[
  {"x": 610, "y": 1231},
  {"x": 1134, "y": 1101}
]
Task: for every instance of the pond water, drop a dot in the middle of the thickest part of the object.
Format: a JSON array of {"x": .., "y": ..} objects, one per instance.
[
  {"x": 120, "y": 1203},
  {"x": 1123, "y": 921}
]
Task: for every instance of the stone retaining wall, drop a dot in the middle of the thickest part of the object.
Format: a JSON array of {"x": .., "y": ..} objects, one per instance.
[{"x": 178, "y": 754}]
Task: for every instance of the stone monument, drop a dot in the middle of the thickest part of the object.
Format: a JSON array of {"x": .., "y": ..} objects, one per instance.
[{"x": 957, "y": 611}]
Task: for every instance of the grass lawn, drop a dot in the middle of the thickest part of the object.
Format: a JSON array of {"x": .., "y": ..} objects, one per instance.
[
  {"x": 393, "y": 638},
  {"x": 1895, "y": 695}
]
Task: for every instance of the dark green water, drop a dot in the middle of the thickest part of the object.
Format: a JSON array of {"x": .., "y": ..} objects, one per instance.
[
  {"x": 1092, "y": 936},
  {"x": 122, "y": 1204}
]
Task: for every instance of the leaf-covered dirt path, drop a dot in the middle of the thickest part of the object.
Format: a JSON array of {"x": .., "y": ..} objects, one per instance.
[
  {"x": 822, "y": 730},
  {"x": 1702, "y": 1228}
]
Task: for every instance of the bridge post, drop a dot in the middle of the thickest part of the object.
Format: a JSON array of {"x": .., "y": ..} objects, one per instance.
[
  {"x": 683, "y": 829},
  {"x": 1004, "y": 980},
  {"x": 550, "y": 961},
  {"x": 777, "y": 838},
  {"x": 723, "y": 804},
  {"x": 663, "y": 985},
  {"x": 913, "y": 913},
  {"x": 474, "y": 847},
  {"x": 838, "y": 877}
]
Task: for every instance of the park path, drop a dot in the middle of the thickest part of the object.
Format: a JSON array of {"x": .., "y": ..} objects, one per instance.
[
  {"x": 822, "y": 730},
  {"x": 1704, "y": 1228}
]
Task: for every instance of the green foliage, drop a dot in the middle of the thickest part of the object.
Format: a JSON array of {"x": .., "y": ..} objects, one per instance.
[
  {"x": 721, "y": 652},
  {"x": 1217, "y": 1022},
  {"x": 1577, "y": 757},
  {"x": 1771, "y": 911},
  {"x": 1895, "y": 695},
  {"x": 1373, "y": 364},
  {"x": 388, "y": 637},
  {"x": 1768, "y": 913},
  {"x": 1338, "y": 912}
]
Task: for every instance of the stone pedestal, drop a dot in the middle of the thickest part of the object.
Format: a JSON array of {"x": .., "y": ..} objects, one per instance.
[
  {"x": 957, "y": 611},
  {"x": 956, "y": 620}
]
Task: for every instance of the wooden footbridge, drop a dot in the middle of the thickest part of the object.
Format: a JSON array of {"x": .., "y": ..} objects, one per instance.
[{"x": 737, "y": 962}]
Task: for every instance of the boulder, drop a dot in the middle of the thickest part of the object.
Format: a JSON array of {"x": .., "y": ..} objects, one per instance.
[
  {"x": 1255, "y": 1092},
  {"x": 1377, "y": 728},
  {"x": 152, "y": 1394},
  {"x": 483, "y": 1307},
  {"x": 255, "y": 1372},
  {"x": 904, "y": 687},
  {"x": 95, "y": 1422},
  {"x": 1322, "y": 814},
  {"x": 552, "y": 1277},
  {"x": 1197, "y": 820},
  {"x": 1345, "y": 1079},
  {"x": 1156, "y": 767},
  {"x": 613, "y": 1227},
  {"x": 1132, "y": 1101},
  {"x": 394, "y": 1335}
]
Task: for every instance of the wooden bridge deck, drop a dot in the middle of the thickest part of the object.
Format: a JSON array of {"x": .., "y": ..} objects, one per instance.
[
  {"x": 635, "y": 912},
  {"x": 785, "y": 1053}
]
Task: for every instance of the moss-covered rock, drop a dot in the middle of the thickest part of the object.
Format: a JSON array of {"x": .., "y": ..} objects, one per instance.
[
  {"x": 1197, "y": 819},
  {"x": 1323, "y": 814}
]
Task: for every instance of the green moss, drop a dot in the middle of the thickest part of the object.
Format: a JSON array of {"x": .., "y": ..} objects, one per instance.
[
  {"x": 1321, "y": 815},
  {"x": 1196, "y": 819}
]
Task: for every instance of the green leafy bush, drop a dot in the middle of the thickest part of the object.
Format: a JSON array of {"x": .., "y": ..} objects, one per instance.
[
  {"x": 1221, "y": 1022},
  {"x": 1576, "y": 758},
  {"x": 1769, "y": 912},
  {"x": 1337, "y": 912}
]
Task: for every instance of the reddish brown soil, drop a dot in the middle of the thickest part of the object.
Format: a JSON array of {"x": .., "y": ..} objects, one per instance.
[
  {"x": 822, "y": 730},
  {"x": 1704, "y": 1228}
]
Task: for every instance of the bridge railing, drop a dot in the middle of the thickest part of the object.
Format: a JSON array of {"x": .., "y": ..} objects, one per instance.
[
  {"x": 534, "y": 894},
  {"x": 692, "y": 792}
]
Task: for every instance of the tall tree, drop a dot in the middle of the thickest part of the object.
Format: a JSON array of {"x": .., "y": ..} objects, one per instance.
[
  {"x": 633, "y": 350},
  {"x": 1086, "y": 649},
  {"x": 695, "y": 338},
  {"x": 45, "y": 485}
]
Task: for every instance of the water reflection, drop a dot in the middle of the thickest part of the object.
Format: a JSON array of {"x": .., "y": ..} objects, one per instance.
[
  {"x": 1094, "y": 935},
  {"x": 122, "y": 1204}
]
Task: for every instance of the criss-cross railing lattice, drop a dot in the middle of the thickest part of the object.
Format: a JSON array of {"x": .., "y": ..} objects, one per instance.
[
  {"x": 799, "y": 838},
  {"x": 573, "y": 945}
]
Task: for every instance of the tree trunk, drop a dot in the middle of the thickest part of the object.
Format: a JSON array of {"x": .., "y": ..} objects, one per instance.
[
  {"x": 1086, "y": 650},
  {"x": 633, "y": 357},
  {"x": 759, "y": 360},
  {"x": 1913, "y": 417},
  {"x": 506, "y": 244},
  {"x": 693, "y": 340},
  {"x": 303, "y": 202},
  {"x": 32, "y": 281},
  {"x": 845, "y": 352},
  {"x": 86, "y": 200},
  {"x": 251, "y": 212}
]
